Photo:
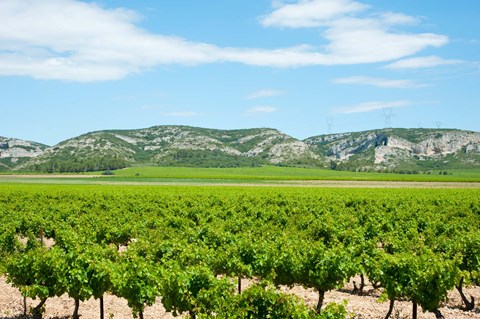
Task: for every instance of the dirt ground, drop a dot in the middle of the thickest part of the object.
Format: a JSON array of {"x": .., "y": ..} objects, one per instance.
[
  {"x": 363, "y": 306},
  {"x": 91, "y": 179}
]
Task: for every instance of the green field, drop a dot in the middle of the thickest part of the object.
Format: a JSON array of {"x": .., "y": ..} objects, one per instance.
[
  {"x": 189, "y": 248},
  {"x": 273, "y": 173}
]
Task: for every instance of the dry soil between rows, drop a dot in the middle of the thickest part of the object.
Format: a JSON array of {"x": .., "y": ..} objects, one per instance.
[
  {"x": 92, "y": 179},
  {"x": 364, "y": 306}
]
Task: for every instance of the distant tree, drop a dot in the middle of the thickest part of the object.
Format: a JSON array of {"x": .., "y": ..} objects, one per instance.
[{"x": 333, "y": 165}]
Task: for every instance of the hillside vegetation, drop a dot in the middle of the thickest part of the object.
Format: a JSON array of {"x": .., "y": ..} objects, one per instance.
[
  {"x": 386, "y": 150},
  {"x": 15, "y": 152}
]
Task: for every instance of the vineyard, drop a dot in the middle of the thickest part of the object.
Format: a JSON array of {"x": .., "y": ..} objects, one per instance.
[{"x": 194, "y": 248}]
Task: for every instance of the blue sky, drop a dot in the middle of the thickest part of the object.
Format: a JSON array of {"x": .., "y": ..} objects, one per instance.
[{"x": 305, "y": 67}]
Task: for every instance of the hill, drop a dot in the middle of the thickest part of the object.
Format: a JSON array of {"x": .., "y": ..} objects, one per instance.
[
  {"x": 15, "y": 152},
  {"x": 400, "y": 149},
  {"x": 175, "y": 146},
  {"x": 376, "y": 150}
]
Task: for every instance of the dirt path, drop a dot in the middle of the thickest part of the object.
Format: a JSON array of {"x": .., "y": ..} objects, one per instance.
[
  {"x": 46, "y": 176},
  {"x": 318, "y": 184},
  {"x": 382, "y": 184},
  {"x": 94, "y": 180}
]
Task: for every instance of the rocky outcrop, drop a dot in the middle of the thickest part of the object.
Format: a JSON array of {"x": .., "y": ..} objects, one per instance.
[
  {"x": 14, "y": 151},
  {"x": 169, "y": 145},
  {"x": 166, "y": 144},
  {"x": 391, "y": 147},
  {"x": 447, "y": 143}
]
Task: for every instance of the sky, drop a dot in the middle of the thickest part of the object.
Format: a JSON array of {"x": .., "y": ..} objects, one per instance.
[{"x": 304, "y": 67}]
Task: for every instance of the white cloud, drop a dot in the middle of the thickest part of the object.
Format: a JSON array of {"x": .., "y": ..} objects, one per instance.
[
  {"x": 73, "y": 40},
  {"x": 422, "y": 62},
  {"x": 310, "y": 13},
  {"x": 371, "y": 106},
  {"x": 263, "y": 93},
  {"x": 355, "y": 40},
  {"x": 79, "y": 41},
  {"x": 261, "y": 109},
  {"x": 379, "y": 82},
  {"x": 394, "y": 18}
]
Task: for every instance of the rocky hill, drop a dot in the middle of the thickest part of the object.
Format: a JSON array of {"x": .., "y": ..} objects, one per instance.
[
  {"x": 175, "y": 145},
  {"x": 385, "y": 150},
  {"x": 14, "y": 152},
  {"x": 400, "y": 149}
]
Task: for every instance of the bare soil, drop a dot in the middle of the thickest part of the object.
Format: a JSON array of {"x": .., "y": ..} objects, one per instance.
[
  {"x": 91, "y": 179},
  {"x": 317, "y": 184},
  {"x": 364, "y": 306},
  {"x": 47, "y": 176}
]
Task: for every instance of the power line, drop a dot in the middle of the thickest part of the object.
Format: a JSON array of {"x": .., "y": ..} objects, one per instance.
[
  {"x": 387, "y": 114},
  {"x": 329, "y": 125}
]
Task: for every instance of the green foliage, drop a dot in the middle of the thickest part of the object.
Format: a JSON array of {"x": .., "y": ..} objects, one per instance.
[
  {"x": 261, "y": 301},
  {"x": 325, "y": 268},
  {"x": 468, "y": 247},
  {"x": 136, "y": 280},
  {"x": 207, "y": 158},
  {"x": 38, "y": 272},
  {"x": 7, "y": 164},
  {"x": 88, "y": 271},
  {"x": 187, "y": 246},
  {"x": 194, "y": 290},
  {"x": 424, "y": 279},
  {"x": 62, "y": 164}
]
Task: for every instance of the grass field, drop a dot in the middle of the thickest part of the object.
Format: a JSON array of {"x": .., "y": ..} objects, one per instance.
[
  {"x": 274, "y": 173},
  {"x": 247, "y": 175}
]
